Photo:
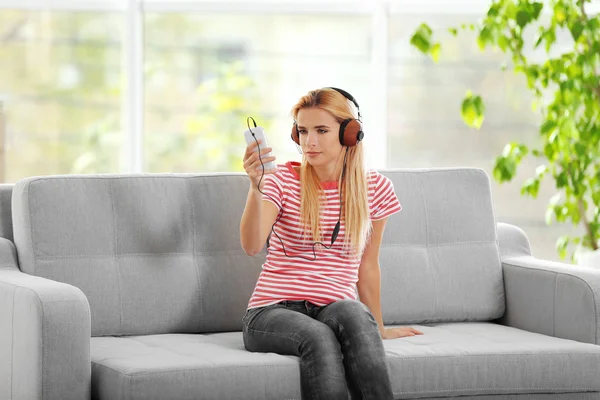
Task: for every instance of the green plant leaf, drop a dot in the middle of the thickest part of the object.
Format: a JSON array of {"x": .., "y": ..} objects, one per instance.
[
  {"x": 552, "y": 208},
  {"x": 531, "y": 187},
  {"x": 548, "y": 36},
  {"x": 537, "y": 9},
  {"x": 560, "y": 14},
  {"x": 561, "y": 245},
  {"x": 435, "y": 52},
  {"x": 568, "y": 128},
  {"x": 485, "y": 37},
  {"x": 548, "y": 127},
  {"x": 473, "y": 110},
  {"x": 504, "y": 169},
  {"x": 581, "y": 150},
  {"x": 421, "y": 39},
  {"x": 576, "y": 30},
  {"x": 479, "y": 106},
  {"x": 562, "y": 180},
  {"x": 505, "y": 166},
  {"x": 493, "y": 11},
  {"x": 523, "y": 18}
]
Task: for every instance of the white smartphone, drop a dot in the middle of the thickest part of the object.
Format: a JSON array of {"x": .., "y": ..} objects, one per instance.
[{"x": 259, "y": 133}]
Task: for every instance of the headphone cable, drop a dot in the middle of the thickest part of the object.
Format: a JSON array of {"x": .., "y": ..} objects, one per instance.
[{"x": 280, "y": 214}]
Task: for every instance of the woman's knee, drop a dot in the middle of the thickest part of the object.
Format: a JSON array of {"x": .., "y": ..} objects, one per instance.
[{"x": 318, "y": 338}]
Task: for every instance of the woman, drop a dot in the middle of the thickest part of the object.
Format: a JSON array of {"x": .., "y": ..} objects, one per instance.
[{"x": 304, "y": 302}]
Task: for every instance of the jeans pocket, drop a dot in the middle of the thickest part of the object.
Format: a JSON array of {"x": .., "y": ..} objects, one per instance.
[{"x": 253, "y": 312}]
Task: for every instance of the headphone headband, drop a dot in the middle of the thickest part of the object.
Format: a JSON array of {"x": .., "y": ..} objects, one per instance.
[
  {"x": 346, "y": 95},
  {"x": 349, "y": 97}
]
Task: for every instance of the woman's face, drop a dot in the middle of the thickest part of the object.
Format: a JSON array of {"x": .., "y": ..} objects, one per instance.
[{"x": 319, "y": 137}]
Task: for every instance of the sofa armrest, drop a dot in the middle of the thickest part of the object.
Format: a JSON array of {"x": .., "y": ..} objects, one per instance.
[
  {"x": 45, "y": 333},
  {"x": 547, "y": 297}
]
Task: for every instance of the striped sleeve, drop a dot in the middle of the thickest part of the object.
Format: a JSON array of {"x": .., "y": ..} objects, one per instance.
[
  {"x": 273, "y": 190},
  {"x": 385, "y": 201}
]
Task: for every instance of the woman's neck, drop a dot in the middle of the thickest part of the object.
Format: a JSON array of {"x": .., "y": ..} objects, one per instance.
[{"x": 330, "y": 173}]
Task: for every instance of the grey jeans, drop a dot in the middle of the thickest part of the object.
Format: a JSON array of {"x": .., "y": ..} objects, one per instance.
[{"x": 339, "y": 345}]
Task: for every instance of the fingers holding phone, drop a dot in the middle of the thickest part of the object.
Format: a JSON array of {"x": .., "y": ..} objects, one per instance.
[{"x": 257, "y": 167}]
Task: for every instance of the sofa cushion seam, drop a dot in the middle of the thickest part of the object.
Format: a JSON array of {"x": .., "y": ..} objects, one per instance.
[
  {"x": 444, "y": 244},
  {"x": 526, "y": 390},
  {"x": 37, "y": 295},
  {"x": 136, "y": 176},
  {"x": 554, "y": 305},
  {"x": 194, "y": 258},
  {"x": 427, "y": 245},
  {"x": 228, "y": 367},
  {"x": 114, "y": 255},
  {"x": 566, "y": 353},
  {"x": 44, "y": 347},
  {"x": 12, "y": 347},
  {"x": 117, "y": 256},
  {"x": 30, "y": 228}
]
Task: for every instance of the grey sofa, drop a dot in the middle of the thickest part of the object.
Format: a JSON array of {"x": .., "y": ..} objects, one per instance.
[{"x": 134, "y": 286}]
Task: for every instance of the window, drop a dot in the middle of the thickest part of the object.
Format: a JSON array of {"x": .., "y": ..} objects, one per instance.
[
  {"x": 60, "y": 82},
  {"x": 199, "y": 68},
  {"x": 426, "y": 128},
  {"x": 206, "y": 73}
]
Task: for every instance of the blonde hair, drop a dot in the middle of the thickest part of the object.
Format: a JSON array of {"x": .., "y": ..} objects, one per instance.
[{"x": 355, "y": 209}]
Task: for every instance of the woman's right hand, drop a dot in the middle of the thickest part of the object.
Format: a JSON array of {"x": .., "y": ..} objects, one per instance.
[{"x": 253, "y": 167}]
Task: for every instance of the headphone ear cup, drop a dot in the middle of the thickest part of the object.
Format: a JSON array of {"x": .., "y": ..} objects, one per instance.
[
  {"x": 295, "y": 136},
  {"x": 350, "y": 132}
]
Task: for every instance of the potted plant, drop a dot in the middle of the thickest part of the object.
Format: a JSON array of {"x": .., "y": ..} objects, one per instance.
[{"x": 566, "y": 91}]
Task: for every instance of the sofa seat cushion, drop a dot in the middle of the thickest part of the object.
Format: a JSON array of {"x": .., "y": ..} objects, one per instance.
[
  {"x": 471, "y": 358},
  {"x": 189, "y": 366},
  {"x": 482, "y": 358}
]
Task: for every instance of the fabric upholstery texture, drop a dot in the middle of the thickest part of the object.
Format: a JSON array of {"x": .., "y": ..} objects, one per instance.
[
  {"x": 450, "y": 359},
  {"x": 6, "y": 228},
  {"x": 161, "y": 253},
  {"x": 548, "y": 297},
  {"x": 44, "y": 335}
]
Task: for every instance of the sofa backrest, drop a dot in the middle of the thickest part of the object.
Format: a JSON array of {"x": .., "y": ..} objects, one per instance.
[
  {"x": 439, "y": 257},
  {"x": 160, "y": 253},
  {"x": 153, "y": 253},
  {"x": 6, "y": 229}
]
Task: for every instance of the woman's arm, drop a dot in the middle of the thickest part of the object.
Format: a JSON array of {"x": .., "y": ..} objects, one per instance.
[
  {"x": 369, "y": 274},
  {"x": 257, "y": 220},
  {"x": 369, "y": 284}
]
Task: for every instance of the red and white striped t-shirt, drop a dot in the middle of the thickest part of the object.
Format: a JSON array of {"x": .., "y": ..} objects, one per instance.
[{"x": 334, "y": 273}]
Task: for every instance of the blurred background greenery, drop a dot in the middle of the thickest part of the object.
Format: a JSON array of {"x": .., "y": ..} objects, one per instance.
[
  {"x": 565, "y": 84},
  {"x": 63, "y": 76}
]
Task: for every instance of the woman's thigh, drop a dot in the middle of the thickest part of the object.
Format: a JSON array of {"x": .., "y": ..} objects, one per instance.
[
  {"x": 282, "y": 330},
  {"x": 349, "y": 317}
]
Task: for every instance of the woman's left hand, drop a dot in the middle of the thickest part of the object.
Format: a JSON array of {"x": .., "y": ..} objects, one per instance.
[{"x": 394, "y": 333}]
